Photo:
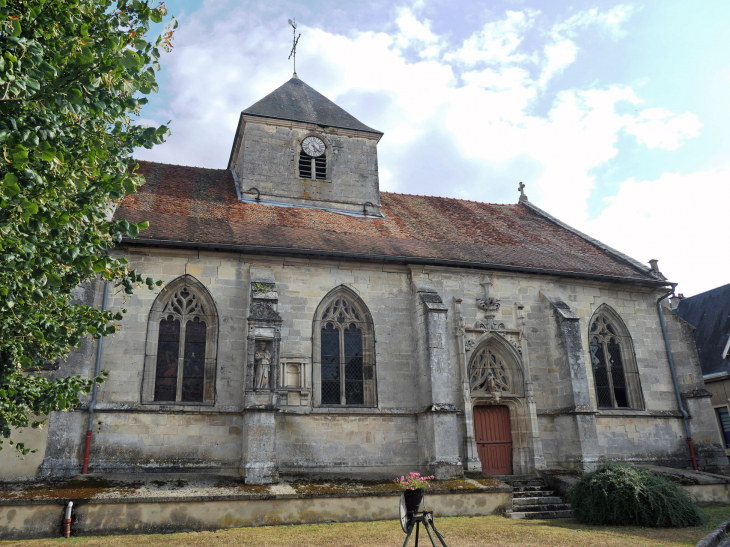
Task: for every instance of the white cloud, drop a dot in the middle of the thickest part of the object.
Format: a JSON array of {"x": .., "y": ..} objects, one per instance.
[
  {"x": 676, "y": 226},
  {"x": 558, "y": 56},
  {"x": 497, "y": 41},
  {"x": 610, "y": 21},
  {"x": 660, "y": 128},
  {"x": 417, "y": 34}
]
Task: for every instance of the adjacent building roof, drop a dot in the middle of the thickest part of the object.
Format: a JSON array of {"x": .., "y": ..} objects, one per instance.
[
  {"x": 298, "y": 102},
  {"x": 192, "y": 206},
  {"x": 709, "y": 313}
]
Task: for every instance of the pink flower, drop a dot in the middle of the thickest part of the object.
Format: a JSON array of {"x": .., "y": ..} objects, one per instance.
[{"x": 412, "y": 488}]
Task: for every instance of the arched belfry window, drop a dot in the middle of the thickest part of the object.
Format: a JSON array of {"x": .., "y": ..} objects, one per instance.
[
  {"x": 182, "y": 336},
  {"x": 313, "y": 158},
  {"x": 344, "y": 351},
  {"x": 615, "y": 374}
]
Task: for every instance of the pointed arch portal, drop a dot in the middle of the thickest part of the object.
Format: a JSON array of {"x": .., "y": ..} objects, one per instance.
[{"x": 502, "y": 429}]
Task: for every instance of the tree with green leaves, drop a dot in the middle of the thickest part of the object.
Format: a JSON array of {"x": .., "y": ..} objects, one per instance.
[{"x": 72, "y": 76}]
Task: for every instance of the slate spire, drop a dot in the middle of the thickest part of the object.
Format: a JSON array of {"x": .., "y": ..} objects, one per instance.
[{"x": 296, "y": 101}]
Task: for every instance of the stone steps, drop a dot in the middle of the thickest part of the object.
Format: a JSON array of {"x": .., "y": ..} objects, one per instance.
[
  {"x": 541, "y": 515},
  {"x": 531, "y": 493},
  {"x": 532, "y": 500},
  {"x": 519, "y": 502},
  {"x": 542, "y": 507}
]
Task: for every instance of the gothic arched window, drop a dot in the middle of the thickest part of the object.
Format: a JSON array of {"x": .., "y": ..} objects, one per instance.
[
  {"x": 615, "y": 375},
  {"x": 182, "y": 335},
  {"x": 313, "y": 158},
  {"x": 344, "y": 352}
]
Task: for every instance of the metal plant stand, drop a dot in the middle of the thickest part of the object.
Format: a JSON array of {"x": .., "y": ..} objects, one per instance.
[{"x": 414, "y": 519}]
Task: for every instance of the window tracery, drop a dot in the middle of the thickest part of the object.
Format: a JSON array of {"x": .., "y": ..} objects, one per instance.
[
  {"x": 344, "y": 352},
  {"x": 615, "y": 374},
  {"x": 181, "y": 345},
  {"x": 491, "y": 371}
]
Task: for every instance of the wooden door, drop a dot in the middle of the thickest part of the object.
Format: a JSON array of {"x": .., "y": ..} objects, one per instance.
[{"x": 494, "y": 439}]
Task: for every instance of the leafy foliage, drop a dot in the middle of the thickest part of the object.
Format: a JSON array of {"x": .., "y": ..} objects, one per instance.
[
  {"x": 630, "y": 496},
  {"x": 71, "y": 75}
]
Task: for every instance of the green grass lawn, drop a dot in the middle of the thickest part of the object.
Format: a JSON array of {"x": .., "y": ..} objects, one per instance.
[{"x": 490, "y": 531}]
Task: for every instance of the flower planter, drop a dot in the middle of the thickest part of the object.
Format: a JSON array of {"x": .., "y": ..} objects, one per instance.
[{"x": 413, "y": 499}]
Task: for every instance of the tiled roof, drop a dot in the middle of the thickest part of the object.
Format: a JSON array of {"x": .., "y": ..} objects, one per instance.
[
  {"x": 199, "y": 206},
  {"x": 299, "y": 102}
]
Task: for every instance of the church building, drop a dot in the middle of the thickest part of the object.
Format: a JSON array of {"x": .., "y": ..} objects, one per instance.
[{"x": 311, "y": 324}]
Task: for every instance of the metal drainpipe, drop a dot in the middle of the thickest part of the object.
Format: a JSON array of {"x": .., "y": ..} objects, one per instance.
[
  {"x": 685, "y": 416},
  {"x": 97, "y": 369}
]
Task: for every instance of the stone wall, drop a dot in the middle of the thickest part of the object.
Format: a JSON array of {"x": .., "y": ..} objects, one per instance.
[
  {"x": 399, "y": 434},
  {"x": 15, "y": 467},
  {"x": 335, "y": 443},
  {"x": 268, "y": 160}
]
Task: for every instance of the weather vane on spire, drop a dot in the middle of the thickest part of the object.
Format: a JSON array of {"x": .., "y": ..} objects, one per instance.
[{"x": 295, "y": 39}]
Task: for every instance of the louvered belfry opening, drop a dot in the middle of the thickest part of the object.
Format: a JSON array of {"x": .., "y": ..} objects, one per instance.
[
  {"x": 614, "y": 370},
  {"x": 312, "y": 168}
]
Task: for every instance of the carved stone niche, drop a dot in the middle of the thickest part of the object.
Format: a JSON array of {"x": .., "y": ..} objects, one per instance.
[
  {"x": 264, "y": 341},
  {"x": 295, "y": 382}
]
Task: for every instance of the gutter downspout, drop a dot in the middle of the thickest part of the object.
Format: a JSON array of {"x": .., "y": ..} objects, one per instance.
[
  {"x": 97, "y": 369},
  {"x": 685, "y": 416}
]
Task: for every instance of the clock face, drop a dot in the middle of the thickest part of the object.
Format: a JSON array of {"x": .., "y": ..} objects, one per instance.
[{"x": 313, "y": 146}]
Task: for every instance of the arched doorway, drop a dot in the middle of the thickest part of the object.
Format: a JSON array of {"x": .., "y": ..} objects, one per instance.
[
  {"x": 493, "y": 435},
  {"x": 501, "y": 439}
]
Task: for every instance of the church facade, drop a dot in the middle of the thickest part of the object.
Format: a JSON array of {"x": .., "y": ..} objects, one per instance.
[{"x": 311, "y": 324}]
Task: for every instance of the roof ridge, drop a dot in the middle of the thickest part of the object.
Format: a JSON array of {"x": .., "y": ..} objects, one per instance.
[
  {"x": 179, "y": 165},
  {"x": 704, "y": 293},
  {"x": 602, "y": 246},
  {"x": 450, "y": 198}
]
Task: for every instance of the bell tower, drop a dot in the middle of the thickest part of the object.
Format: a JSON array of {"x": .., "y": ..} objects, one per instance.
[{"x": 295, "y": 147}]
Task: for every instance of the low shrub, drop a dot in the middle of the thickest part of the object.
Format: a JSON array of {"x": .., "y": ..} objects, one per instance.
[{"x": 631, "y": 496}]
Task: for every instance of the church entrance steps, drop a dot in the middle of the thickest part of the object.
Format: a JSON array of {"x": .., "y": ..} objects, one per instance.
[
  {"x": 160, "y": 503},
  {"x": 531, "y": 499},
  {"x": 565, "y": 514}
]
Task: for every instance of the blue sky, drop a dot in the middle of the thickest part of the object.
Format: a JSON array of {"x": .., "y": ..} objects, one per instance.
[{"x": 614, "y": 114}]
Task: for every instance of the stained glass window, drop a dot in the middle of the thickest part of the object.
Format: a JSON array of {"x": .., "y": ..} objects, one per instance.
[
  {"x": 181, "y": 349},
  {"x": 346, "y": 363},
  {"x": 616, "y": 380}
]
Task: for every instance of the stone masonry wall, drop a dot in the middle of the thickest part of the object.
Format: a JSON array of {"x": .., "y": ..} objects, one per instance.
[
  {"x": 268, "y": 161},
  {"x": 130, "y": 435}
]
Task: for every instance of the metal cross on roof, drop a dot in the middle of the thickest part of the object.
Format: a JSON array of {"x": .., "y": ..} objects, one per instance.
[{"x": 295, "y": 40}]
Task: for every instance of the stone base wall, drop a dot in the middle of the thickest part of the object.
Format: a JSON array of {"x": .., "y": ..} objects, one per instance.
[
  {"x": 16, "y": 467},
  {"x": 639, "y": 439},
  {"x": 166, "y": 442},
  {"x": 358, "y": 446}
]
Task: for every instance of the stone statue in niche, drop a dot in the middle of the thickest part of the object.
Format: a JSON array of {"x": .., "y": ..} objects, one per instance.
[{"x": 262, "y": 359}]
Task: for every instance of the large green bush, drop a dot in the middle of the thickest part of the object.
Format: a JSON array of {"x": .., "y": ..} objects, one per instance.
[{"x": 631, "y": 496}]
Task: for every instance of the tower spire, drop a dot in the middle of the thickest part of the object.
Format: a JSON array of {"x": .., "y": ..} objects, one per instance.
[{"x": 295, "y": 41}]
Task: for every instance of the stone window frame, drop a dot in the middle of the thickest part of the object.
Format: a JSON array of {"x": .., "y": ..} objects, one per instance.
[
  {"x": 622, "y": 336},
  {"x": 370, "y": 386},
  {"x": 327, "y": 155},
  {"x": 157, "y": 313}
]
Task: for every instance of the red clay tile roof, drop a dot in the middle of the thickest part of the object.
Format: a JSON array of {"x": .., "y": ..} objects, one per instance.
[{"x": 199, "y": 206}]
